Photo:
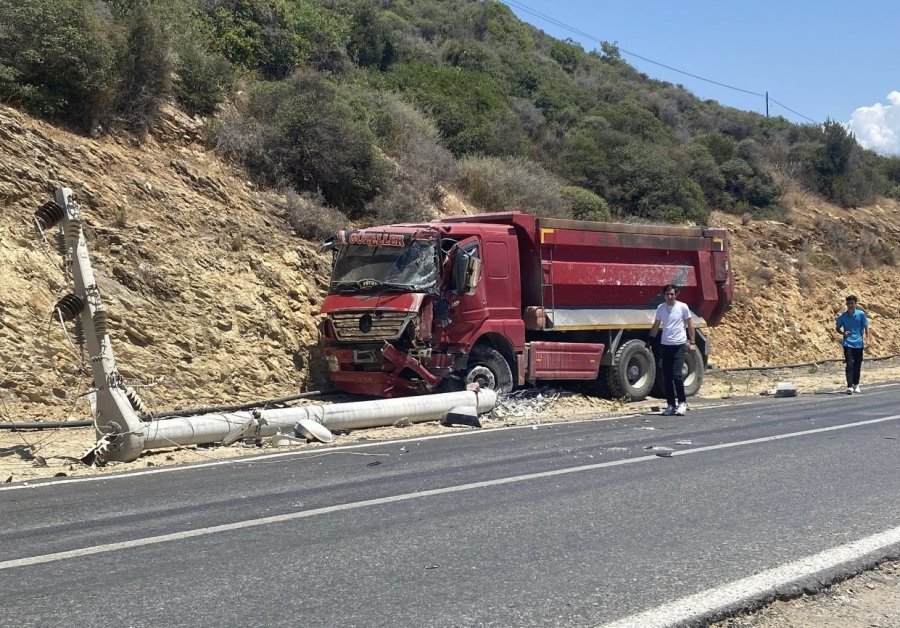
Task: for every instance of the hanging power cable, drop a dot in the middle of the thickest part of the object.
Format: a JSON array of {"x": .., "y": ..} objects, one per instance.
[{"x": 526, "y": 9}]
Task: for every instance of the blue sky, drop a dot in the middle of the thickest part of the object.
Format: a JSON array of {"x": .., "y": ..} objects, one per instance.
[{"x": 823, "y": 59}]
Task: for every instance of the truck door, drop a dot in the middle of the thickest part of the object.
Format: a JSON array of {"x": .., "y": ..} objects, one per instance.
[{"x": 467, "y": 311}]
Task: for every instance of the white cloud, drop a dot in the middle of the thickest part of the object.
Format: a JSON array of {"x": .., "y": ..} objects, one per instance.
[{"x": 878, "y": 127}]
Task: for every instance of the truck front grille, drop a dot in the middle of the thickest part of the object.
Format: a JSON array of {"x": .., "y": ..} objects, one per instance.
[{"x": 378, "y": 325}]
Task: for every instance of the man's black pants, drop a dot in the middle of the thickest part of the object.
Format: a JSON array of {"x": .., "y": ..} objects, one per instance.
[
  {"x": 853, "y": 359},
  {"x": 673, "y": 372}
]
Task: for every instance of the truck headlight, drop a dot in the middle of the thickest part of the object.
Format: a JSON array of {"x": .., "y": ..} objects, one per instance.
[{"x": 333, "y": 363}]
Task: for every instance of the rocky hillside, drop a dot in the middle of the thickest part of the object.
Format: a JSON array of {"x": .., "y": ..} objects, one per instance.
[{"x": 212, "y": 300}]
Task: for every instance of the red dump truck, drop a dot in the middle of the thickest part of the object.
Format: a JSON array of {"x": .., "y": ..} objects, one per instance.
[{"x": 508, "y": 299}]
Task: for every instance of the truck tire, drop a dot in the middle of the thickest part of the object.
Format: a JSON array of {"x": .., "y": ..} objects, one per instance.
[
  {"x": 633, "y": 371},
  {"x": 694, "y": 369},
  {"x": 489, "y": 368}
]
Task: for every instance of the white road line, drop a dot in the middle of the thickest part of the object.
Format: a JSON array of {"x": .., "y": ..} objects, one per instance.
[
  {"x": 304, "y": 514},
  {"x": 700, "y": 605}
]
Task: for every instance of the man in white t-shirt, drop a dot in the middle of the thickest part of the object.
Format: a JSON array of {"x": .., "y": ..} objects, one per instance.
[{"x": 674, "y": 317}]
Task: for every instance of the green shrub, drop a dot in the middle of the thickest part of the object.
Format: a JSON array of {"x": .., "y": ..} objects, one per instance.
[
  {"x": 647, "y": 184},
  {"x": 584, "y": 204},
  {"x": 146, "y": 67},
  {"x": 272, "y": 36},
  {"x": 585, "y": 157},
  {"x": 413, "y": 142},
  {"x": 465, "y": 105},
  {"x": 566, "y": 53},
  {"x": 370, "y": 40},
  {"x": 703, "y": 169},
  {"x": 310, "y": 217},
  {"x": 721, "y": 147},
  {"x": 474, "y": 56},
  {"x": 57, "y": 59},
  {"x": 310, "y": 133},
  {"x": 497, "y": 184},
  {"x": 400, "y": 203},
  {"x": 204, "y": 79},
  {"x": 634, "y": 120}
]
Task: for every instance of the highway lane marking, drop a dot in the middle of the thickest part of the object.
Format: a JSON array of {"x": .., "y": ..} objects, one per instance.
[
  {"x": 727, "y": 596},
  {"x": 403, "y": 497}
]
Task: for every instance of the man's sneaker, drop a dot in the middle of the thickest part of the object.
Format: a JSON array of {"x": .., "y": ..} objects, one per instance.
[
  {"x": 669, "y": 411},
  {"x": 681, "y": 409},
  {"x": 856, "y": 389},
  {"x": 849, "y": 390}
]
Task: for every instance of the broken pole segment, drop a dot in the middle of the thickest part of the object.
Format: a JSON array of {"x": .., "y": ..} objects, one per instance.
[{"x": 218, "y": 428}]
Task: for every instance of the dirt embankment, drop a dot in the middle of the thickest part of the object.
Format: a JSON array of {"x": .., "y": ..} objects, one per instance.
[{"x": 210, "y": 297}]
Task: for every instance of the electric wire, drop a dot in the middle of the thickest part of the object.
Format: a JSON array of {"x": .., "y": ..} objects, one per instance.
[
  {"x": 572, "y": 29},
  {"x": 792, "y": 111}
]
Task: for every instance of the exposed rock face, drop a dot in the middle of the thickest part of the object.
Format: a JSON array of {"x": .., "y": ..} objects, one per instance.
[
  {"x": 210, "y": 297},
  {"x": 212, "y": 300}
]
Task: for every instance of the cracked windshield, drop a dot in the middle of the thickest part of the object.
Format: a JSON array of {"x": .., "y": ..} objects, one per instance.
[{"x": 361, "y": 268}]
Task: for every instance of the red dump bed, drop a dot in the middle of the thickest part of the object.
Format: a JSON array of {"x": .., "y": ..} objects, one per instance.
[{"x": 569, "y": 264}]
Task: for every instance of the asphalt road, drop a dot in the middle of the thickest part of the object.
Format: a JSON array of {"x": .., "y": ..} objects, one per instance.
[{"x": 571, "y": 524}]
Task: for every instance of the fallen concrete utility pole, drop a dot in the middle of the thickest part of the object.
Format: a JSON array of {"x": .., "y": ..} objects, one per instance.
[
  {"x": 122, "y": 435},
  {"x": 228, "y": 428}
]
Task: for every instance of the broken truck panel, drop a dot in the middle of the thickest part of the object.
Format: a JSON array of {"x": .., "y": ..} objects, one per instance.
[{"x": 527, "y": 298}]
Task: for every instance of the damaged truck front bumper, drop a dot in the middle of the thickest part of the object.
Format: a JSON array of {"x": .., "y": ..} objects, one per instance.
[{"x": 388, "y": 372}]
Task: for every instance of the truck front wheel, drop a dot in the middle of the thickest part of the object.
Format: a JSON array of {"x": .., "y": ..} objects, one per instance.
[
  {"x": 632, "y": 372},
  {"x": 489, "y": 369}
]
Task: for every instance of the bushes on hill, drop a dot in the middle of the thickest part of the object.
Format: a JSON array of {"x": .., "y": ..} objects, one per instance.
[
  {"x": 459, "y": 80},
  {"x": 465, "y": 105},
  {"x": 145, "y": 67},
  {"x": 644, "y": 183},
  {"x": 310, "y": 133},
  {"x": 272, "y": 36},
  {"x": 309, "y": 216},
  {"x": 497, "y": 184},
  {"x": 584, "y": 204},
  {"x": 58, "y": 59}
]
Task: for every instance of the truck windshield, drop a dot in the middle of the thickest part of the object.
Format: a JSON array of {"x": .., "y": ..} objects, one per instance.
[{"x": 361, "y": 268}]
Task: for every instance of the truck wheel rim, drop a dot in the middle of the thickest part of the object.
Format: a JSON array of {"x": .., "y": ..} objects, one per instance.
[
  {"x": 483, "y": 375},
  {"x": 687, "y": 375},
  {"x": 637, "y": 370}
]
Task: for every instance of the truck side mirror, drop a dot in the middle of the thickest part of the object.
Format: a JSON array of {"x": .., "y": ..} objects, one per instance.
[
  {"x": 473, "y": 275},
  {"x": 466, "y": 273},
  {"x": 328, "y": 244},
  {"x": 460, "y": 272}
]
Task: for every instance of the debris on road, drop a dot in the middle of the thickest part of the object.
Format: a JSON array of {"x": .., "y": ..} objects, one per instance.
[
  {"x": 782, "y": 389},
  {"x": 525, "y": 403}
]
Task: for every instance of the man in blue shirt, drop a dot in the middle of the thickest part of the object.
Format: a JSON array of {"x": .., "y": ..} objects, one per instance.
[{"x": 855, "y": 327}]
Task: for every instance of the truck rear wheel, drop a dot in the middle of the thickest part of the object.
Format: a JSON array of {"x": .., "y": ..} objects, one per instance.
[
  {"x": 693, "y": 370},
  {"x": 632, "y": 372},
  {"x": 489, "y": 369}
]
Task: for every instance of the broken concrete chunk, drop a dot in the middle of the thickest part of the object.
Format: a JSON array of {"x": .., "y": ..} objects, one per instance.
[
  {"x": 313, "y": 430},
  {"x": 785, "y": 389},
  {"x": 462, "y": 415}
]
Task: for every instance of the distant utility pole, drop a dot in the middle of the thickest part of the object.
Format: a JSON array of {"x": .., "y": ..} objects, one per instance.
[{"x": 767, "y": 103}]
